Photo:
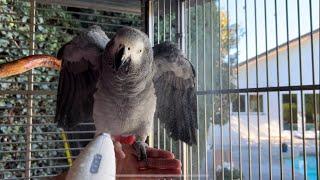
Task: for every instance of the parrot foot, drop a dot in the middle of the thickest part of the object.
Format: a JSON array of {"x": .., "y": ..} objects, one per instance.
[{"x": 140, "y": 148}]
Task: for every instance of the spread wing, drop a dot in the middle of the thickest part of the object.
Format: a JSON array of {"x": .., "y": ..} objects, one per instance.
[
  {"x": 175, "y": 90},
  {"x": 79, "y": 74}
]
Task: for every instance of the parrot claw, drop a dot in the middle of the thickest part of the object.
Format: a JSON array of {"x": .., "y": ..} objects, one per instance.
[{"x": 140, "y": 148}]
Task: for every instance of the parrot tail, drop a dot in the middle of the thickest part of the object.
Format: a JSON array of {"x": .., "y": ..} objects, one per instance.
[{"x": 27, "y": 63}]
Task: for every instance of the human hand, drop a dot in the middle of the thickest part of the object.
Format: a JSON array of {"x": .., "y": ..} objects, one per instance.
[
  {"x": 117, "y": 141},
  {"x": 160, "y": 164}
]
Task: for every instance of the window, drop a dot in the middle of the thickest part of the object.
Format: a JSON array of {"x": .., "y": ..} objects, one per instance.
[
  {"x": 286, "y": 111},
  {"x": 236, "y": 103},
  {"x": 254, "y": 103},
  {"x": 309, "y": 111}
]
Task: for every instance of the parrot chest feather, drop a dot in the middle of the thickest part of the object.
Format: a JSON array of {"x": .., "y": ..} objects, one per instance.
[{"x": 120, "y": 114}]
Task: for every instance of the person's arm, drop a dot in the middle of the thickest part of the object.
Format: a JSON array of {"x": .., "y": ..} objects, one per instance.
[{"x": 160, "y": 163}]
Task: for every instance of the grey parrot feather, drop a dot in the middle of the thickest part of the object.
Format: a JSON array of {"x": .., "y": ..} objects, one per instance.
[
  {"x": 175, "y": 90},
  {"x": 78, "y": 77}
]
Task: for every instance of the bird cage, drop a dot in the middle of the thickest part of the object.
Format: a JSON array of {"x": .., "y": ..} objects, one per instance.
[{"x": 258, "y": 83}]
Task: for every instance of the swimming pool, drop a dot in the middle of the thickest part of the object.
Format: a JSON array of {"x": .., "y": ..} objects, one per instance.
[{"x": 298, "y": 165}]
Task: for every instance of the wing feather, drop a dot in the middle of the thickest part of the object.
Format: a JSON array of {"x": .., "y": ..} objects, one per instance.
[
  {"x": 79, "y": 74},
  {"x": 174, "y": 82}
]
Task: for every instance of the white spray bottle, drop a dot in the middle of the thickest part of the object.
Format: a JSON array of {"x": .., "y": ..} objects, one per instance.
[{"x": 96, "y": 161}]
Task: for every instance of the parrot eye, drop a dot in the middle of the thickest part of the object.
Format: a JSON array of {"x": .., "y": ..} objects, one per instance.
[
  {"x": 140, "y": 51},
  {"x": 128, "y": 48}
]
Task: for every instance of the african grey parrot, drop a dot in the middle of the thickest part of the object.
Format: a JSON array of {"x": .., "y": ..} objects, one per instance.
[{"x": 122, "y": 84}]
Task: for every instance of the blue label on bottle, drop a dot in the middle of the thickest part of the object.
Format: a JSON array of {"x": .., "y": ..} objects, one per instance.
[{"x": 95, "y": 163}]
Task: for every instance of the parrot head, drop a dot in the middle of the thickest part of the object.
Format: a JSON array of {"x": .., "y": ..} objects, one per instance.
[{"x": 129, "y": 51}]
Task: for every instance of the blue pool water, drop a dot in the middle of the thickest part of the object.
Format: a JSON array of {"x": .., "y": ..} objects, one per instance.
[{"x": 298, "y": 166}]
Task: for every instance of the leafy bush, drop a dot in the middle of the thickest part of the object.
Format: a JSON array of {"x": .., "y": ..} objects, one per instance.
[{"x": 236, "y": 173}]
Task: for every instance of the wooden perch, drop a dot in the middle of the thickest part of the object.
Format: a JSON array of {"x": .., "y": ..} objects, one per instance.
[{"x": 27, "y": 63}]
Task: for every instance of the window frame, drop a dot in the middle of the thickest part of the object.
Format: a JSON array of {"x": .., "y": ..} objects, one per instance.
[
  {"x": 282, "y": 111},
  {"x": 245, "y": 105},
  {"x": 263, "y": 107},
  {"x": 305, "y": 108}
]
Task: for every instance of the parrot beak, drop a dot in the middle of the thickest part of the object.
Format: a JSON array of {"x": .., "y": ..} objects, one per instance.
[{"x": 121, "y": 59}]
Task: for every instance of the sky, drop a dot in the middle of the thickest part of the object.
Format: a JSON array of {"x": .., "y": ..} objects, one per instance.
[{"x": 271, "y": 30}]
